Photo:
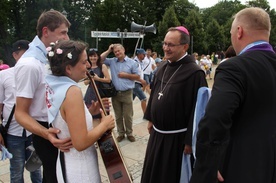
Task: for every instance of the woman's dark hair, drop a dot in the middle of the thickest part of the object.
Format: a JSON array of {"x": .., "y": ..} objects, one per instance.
[
  {"x": 230, "y": 52},
  {"x": 92, "y": 52},
  {"x": 65, "y": 52}
]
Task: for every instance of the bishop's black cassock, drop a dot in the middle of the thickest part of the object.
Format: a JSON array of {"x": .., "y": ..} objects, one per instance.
[{"x": 174, "y": 110}]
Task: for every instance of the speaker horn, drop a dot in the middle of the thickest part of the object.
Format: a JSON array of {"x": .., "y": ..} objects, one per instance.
[
  {"x": 151, "y": 28},
  {"x": 141, "y": 28},
  {"x": 136, "y": 27}
]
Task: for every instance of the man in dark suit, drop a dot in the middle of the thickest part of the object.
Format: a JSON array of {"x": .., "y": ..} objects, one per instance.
[{"x": 236, "y": 141}]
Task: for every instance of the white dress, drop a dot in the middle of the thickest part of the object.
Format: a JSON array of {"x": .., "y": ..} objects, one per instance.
[{"x": 80, "y": 166}]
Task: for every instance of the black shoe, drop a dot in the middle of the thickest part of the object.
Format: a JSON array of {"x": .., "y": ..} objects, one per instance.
[
  {"x": 120, "y": 138},
  {"x": 131, "y": 138}
]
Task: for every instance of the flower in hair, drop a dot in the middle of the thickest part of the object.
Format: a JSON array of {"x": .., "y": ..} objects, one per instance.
[
  {"x": 51, "y": 53},
  {"x": 48, "y": 48},
  {"x": 59, "y": 51},
  {"x": 69, "y": 55},
  {"x": 52, "y": 44}
]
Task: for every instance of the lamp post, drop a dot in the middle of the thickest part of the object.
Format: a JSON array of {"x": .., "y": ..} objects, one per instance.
[
  {"x": 121, "y": 35},
  {"x": 86, "y": 18},
  {"x": 192, "y": 44},
  {"x": 64, "y": 13},
  {"x": 125, "y": 34},
  {"x": 97, "y": 40}
]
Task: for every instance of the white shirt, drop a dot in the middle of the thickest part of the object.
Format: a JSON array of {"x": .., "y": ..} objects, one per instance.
[
  {"x": 7, "y": 98},
  {"x": 30, "y": 83},
  {"x": 140, "y": 69},
  {"x": 209, "y": 63},
  {"x": 147, "y": 65}
]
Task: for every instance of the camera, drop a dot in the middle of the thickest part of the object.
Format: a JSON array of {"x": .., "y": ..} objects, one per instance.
[{"x": 90, "y": 71}]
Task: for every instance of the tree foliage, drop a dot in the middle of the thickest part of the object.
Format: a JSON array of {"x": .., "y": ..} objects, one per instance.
[
  {"x": 182, "y": 9},
  {"x": 195, "y": 27},
  {"x": 209, "y": 28},
  {"x": 215, "y": 36},
  {"x": 169, "y": 20}
]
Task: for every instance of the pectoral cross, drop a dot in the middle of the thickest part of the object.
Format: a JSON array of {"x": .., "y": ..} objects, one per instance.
[{"x": 160, "y": 95}]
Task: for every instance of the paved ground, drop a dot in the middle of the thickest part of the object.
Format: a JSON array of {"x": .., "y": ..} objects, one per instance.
[{"x": 133, "y": 153}]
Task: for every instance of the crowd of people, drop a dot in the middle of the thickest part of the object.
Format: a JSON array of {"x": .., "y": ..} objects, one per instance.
[{"x": 239, "y": 117}]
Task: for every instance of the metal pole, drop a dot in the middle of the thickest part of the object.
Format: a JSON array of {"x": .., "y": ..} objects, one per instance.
[
  {"x": 64, "y": 13},
  {"x": 97, "y": 40},
  {"x": 136, "y": 46},
  {"x": 192, "y": 44},
  {"x": 142, "y": 41},
  {"x": 143, "y": 33},
  {"x": 123, "y": 35},
  {"x": 85, "y": 32},
  {"x": 119, "y": 34},
  {"x": 85, "y": 21}
]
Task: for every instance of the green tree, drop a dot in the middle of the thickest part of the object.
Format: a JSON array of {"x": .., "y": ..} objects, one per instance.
[
  {"x": 195, "y": 27},
  {"x": 273, "y": 28},
  {"x": 214, "y": 36},
  {"x": 169, "y": 20},
  {"x": 19, "y": 18},
  {"x": 182, "y": 9},
  {"x": 222, "y": 11},
  {"x": 5, "y": 29},
  {"x": 259, "y": 3},
  {"x": 77, "y": 13},
  {"x": 226, "y": 31}
]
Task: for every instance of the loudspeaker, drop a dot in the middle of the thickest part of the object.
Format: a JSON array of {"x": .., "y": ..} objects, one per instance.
[
  {"x": 136, "y": 27},
  {"x": 151, "y": 28}
]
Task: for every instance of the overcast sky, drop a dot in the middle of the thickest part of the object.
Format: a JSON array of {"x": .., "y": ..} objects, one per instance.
[{"x": 209, "y": 3}]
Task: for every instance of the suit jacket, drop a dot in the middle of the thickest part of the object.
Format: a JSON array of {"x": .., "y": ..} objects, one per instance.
[{"x": 237, "y": 135}]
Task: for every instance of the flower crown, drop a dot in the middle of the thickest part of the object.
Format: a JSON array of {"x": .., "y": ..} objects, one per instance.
[{"x": 59, "y": 51}]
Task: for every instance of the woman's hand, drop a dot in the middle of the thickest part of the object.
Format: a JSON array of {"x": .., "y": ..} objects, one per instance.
[
  {"x": 95, "y": 106},
  {"x": 108, "y": 121},
  {"x": 96, "y": 77}
]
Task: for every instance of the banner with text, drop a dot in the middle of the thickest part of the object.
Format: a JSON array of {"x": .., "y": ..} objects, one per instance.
[{"x": 106, "y": 34}]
